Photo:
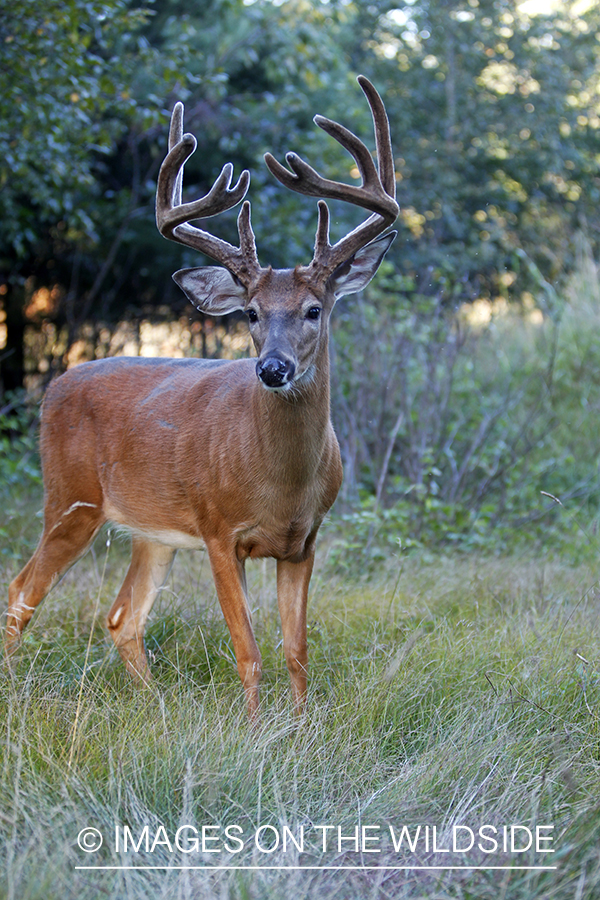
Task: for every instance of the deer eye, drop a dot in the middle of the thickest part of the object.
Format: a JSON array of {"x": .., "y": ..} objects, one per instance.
[
  {"x": 313, "y": 313},
  {"x": 252, "y": 316}
]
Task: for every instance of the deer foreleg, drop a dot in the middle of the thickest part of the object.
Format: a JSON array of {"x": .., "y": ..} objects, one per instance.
[
  {"x": 230, "y": 581},
  {"x": 292, "y": 594}
]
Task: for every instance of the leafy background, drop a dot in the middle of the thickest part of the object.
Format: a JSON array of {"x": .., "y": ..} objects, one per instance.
[{"x": 450, "y": 424}]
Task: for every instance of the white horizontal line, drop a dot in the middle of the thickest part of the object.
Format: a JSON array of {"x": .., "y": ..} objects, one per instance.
[{"x": 323, "y": 868}]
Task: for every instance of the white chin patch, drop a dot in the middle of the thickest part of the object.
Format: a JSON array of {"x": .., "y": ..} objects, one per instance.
[{"x": 277, "y": 390}]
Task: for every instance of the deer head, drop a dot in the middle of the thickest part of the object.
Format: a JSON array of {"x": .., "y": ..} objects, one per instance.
[{"x": 288, "y": 309}]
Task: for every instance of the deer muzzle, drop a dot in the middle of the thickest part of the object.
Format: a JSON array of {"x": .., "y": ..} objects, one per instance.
[{"x": 275, "y": 371}]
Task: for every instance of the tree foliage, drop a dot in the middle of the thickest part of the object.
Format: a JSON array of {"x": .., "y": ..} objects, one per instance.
[
  {"x": 494, "y": 115},
  {"x": 495, "y": 121},
  {"x": 65, "y": 102}
]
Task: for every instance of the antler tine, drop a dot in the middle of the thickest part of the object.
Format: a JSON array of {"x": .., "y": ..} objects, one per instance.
[
  {"x": 173, "y": 216},
  {"x": 355, "y": 147},
  {"x": 383, "y": 138},
  {"x": 176, "y": 125},
  {"x": 175, "y": 137},
  {"x": 376, "y": 193}
]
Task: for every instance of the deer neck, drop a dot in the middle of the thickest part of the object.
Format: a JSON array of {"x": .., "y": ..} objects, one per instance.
[{"x": 293, "y": 426}]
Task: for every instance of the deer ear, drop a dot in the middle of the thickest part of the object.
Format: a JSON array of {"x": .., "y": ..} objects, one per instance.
[
  {"x": 212, "y": 290},
  {"x": 355, "y": 274}
]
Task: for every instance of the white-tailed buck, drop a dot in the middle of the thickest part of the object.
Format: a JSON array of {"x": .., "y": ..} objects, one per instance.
[{"x": 238, "y": 457}]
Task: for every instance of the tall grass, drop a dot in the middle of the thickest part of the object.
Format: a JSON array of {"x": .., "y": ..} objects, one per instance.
[{"x": 447, "y": 691}]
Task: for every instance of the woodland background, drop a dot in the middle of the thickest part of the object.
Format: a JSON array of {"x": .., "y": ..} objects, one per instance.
[{"x": 465, "y": 380}]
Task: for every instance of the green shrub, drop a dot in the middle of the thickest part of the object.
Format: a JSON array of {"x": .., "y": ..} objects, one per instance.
[
  {"x": 20, "y": 474},
  {"x": 473, "y": 435}
]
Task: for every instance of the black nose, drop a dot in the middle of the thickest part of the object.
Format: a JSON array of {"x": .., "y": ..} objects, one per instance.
[{"x": 274, "y": 371}]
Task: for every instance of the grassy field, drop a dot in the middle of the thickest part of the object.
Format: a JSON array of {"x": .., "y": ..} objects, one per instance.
[{"x": 445, "y": 691}]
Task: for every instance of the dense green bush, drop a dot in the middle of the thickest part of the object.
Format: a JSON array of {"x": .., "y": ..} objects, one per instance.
[
  {"x": 20, "y": 475},
  {"x": 19, "y": 459}
]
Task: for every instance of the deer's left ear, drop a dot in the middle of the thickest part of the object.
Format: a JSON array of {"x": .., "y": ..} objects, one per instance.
[{"x": 355, "y": 274}]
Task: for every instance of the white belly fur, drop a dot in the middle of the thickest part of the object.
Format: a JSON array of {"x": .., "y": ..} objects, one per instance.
[{"x": 176, "y": 539}]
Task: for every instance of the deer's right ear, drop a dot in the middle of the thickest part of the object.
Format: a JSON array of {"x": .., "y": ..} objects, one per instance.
[
  {"x": 355, "y": 274},
  {"x": 212, "y": 290}
]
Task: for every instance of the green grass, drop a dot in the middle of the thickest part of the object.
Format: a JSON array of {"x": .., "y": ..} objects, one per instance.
[{"x": 444, "y": 690}]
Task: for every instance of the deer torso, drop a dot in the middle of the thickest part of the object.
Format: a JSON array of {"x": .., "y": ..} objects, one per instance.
[{"x": 177, "y": 422}]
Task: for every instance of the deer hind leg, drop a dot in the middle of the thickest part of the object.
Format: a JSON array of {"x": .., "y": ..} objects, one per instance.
[
  {"x": 292, "y": 595},
  {"x": 66, "y": 537},
  {"x": 230, "y": 582},
  {"x": 150, "y": 565}
]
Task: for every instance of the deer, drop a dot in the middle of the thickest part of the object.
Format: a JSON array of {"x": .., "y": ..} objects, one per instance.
[{"x": 236, "y": 457}]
